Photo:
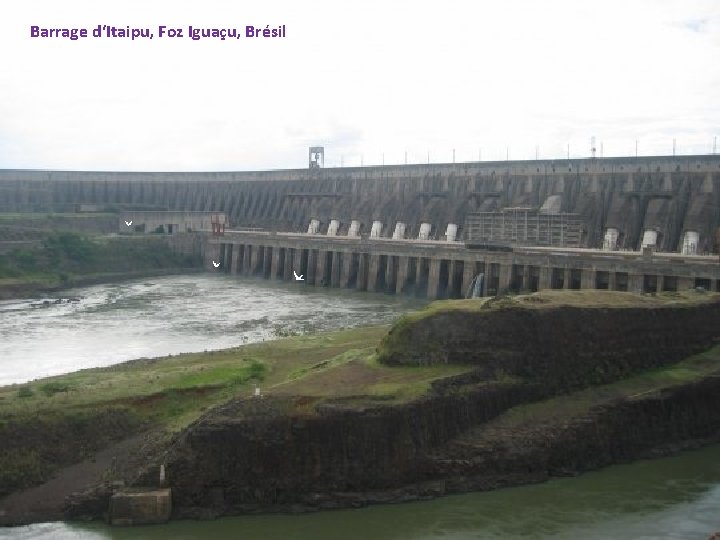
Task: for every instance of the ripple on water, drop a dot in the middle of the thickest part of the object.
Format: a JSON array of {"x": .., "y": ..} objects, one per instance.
[{"x": 117, "y": 322}]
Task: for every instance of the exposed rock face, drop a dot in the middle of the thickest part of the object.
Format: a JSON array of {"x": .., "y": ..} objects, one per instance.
[
  {"x": 646, "y": 426},
  {"x": 352, "y": 458},
  {"x": 254, "y": 455},
  {"x": 242, "y": 458},
  {"x": 565, "y": 347}
]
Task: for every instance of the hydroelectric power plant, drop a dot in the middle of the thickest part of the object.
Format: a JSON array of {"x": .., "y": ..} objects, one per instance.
[
  {"x": 641, "y": 224},
  {"x": 460, "y": 396}
]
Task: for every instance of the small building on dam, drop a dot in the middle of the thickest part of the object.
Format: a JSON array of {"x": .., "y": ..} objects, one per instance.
[{"x": 438, "y": 230}]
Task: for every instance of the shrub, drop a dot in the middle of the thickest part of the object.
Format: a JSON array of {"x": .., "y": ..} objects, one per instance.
[
  {"x": 52, "y": 388},
  {"x": 25, "y": 392}
]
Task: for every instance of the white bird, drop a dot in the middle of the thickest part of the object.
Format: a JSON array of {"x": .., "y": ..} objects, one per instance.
[
  {"x": 128, "y": 223},
  {"x": 216, "y": 265},
  {"x": 298, "y": 278}
]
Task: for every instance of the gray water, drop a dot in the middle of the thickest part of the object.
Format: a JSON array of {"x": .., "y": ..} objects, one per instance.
[
  {"x": 169, "y": 315},
  {"x": 673, "y": 498}
]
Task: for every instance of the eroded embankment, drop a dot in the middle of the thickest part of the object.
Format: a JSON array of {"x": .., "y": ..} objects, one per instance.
[
  {"x": 251, "y": 457},
  {"x": 263, "y": 455},
  {"x": 565, "y": 340}
]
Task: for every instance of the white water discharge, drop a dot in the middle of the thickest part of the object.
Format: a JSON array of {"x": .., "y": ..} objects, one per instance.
[{"x": 107, "y": 324}]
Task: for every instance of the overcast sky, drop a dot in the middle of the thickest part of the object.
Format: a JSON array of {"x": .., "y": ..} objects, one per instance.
[{"x": 363, "y": 78}]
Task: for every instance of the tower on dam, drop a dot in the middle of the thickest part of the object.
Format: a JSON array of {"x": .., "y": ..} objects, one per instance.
[{"x": 639, "y": 207}]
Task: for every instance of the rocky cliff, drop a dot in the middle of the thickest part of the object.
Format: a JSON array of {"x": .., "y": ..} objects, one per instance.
[
  {"x": 508, "y": 422},
  {"x": 564, "y": 346}
]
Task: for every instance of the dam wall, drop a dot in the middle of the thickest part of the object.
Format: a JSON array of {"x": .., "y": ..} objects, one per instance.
[{"x": 668, "y": 196}]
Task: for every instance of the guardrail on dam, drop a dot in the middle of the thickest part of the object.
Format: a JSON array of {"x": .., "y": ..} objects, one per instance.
[{"x": 623, "y": 199}]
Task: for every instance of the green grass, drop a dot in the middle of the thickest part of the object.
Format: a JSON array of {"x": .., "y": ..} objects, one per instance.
[
  {"x": 220, "y": 374},
  {"x": 173, "y": 391}
]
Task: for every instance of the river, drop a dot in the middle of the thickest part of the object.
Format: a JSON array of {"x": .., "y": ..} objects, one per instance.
[
  {"x": 671, "y": 498},
  {"x": 106, "y": 324}
]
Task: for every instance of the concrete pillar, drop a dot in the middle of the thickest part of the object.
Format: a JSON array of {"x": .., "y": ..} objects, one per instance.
[
  {"x": 320, "y": 268},
  {"x": 288, "y": 265},
  {"x": 234, "y": 264},
  {"x": 635, "y": 283},
  {"x": 275, "y": 263},
  {"x": 374, "y": 266},
  {"x": 526, "y": 278},
  {"x": 451, "y": 277},
  {"x": 467, "y": 277},
  {"x": 248, "y": 250},
  {"x": 433, "y": 278},
  {"x": 311, "y": 266},
  {"x": 239, "y": 252},
  {"x": 362, "y": 277},
  {"x": 685, "y": 283},
  {"x": 212, "y": 253},
  {"x": 347, "y": 258},
  {"x": 335, "y": 270},
  {"x": 612, "y": 281},
  {"x": 267, "y": 258},
  {"x": 255, "y": 260},
  {"x": 587, "y": 278},
  {"x": 660, "y": 283},
  {"x": 419, "y": 271},
  {"x": 505, "y": 277},
  {"x": 402, "y": 274},
  {"x": 545, "y": 280},
  {"x": 390, "y": 273},
  {"x": 240, "y": 249},
  {"x": 297, "y": 263}
]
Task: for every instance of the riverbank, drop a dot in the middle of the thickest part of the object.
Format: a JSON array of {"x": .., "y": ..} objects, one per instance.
[
  {"x": 12, "y": 289},
  {"x": 337, "y": 427},
  {"x": 66, "y": 259}
]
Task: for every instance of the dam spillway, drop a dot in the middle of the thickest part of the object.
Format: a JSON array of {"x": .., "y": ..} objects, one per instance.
[{"x": 436, "y": 269}]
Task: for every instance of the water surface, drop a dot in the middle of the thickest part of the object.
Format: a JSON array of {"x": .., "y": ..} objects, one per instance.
[{"x": 106, "y": 324}]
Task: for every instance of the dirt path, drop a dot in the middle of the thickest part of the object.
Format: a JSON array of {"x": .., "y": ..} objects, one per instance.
[{"x": 46, "y": 501}]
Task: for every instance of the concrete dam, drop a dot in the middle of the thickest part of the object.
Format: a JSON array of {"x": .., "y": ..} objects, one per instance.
[{"x": 641, "y": 224}]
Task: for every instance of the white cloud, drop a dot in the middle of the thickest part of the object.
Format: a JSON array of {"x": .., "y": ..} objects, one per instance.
[{"x": 362, "y": 78}]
